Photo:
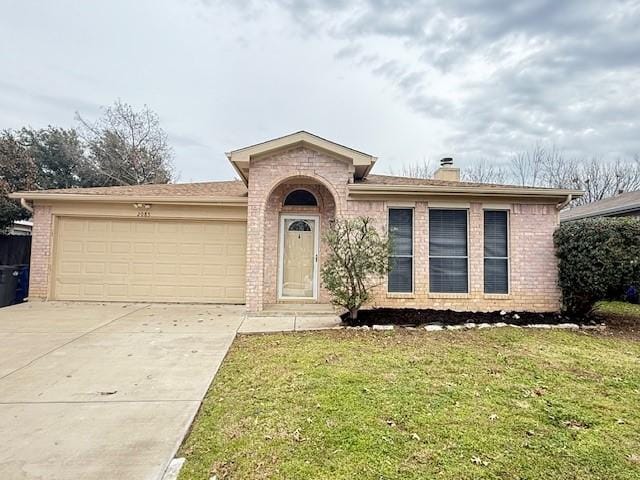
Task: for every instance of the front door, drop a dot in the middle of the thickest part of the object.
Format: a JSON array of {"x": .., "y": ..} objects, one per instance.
[{"x": 298, "y": 257}]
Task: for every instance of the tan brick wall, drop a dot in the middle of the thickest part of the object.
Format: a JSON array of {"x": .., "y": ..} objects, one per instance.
[
  {"x": 275, "y": 207},
  {"x": 294, "y": 166},
  {"x": 533, "y": 275},
  {"x": 41, "y": 244},
  {"x": 533, "y": 266}
]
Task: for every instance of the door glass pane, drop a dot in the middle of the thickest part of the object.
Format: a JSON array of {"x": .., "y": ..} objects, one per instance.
[{"x": 298, "y": 258}]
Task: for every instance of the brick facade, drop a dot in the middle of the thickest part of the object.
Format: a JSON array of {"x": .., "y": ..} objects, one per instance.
[
  {"x": 41, "y": 243},
  {"x": 533, "y": 267},
  {"x": 533, "y": 272},
  {"x": 295, "y": 166}
]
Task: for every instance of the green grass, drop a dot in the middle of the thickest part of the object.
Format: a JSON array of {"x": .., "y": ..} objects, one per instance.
[
  {"x": 496, "y": 404},
  {"x": 620, "y": 309}
]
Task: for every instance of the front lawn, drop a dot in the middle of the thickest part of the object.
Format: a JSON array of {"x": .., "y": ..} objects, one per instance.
[
  {"x": 500, "y": 403},
  {"x": 619, "y": 309}
]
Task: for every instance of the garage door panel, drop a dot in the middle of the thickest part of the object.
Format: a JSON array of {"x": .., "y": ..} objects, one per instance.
[
  {"x": 145, "y": 260},
  {"x": 167, "y": 247},
  {"x": 119, "y": 247}
]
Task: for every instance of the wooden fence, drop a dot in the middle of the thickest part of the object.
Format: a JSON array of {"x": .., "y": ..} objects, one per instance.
[{"x": 15, "y": 249}]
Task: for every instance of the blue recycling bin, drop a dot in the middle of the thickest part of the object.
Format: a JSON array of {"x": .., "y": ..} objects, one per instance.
[
  {"x": 8, "y": 284},
  {"x": 22, "y": 289}
]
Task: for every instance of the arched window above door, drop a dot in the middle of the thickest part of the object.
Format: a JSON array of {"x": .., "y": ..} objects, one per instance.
[
  {"x": 301, "y": 198},
  {"x": 299, "y": 226}
]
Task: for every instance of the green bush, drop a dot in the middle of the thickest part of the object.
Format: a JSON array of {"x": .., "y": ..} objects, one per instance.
[
  {"x": 598, "y": 260},
  {"x": 357, "y": 262}
]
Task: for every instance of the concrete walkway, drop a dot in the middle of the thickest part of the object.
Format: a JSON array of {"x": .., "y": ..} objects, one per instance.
[
  {"x": 288, "y": 323},
  {"x": 97, "y": 391},
  {"x": 94, "y": 391}
]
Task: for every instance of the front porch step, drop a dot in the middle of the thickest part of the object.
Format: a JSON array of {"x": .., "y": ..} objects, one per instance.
[{"x": 298, "y": 309}]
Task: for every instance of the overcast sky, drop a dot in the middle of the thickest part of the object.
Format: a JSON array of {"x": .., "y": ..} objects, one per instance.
[{"x": 400, "y": 79}]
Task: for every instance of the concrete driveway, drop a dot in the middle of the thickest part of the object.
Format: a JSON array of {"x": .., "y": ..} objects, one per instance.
[{"x": 95, "y": 391}]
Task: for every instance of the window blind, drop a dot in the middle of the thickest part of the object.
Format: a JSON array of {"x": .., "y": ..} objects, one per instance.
[
  {"x": 496, "y": 251},
  {"x": 400, "y": 279},
  {"x": 448, "y": 251}
]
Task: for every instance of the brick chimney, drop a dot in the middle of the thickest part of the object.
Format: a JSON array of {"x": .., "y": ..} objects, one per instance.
[{"x": 447, "y": 171}]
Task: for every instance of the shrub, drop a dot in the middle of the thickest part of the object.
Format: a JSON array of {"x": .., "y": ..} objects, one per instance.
[
  {"x": 599, "y": 259},
  {"x": 357, "y": 262}
]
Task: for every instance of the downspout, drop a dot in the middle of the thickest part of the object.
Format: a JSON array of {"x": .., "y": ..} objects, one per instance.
[
  {"x": 566, "y": 202},
  {"x": 26, "y": 205}
]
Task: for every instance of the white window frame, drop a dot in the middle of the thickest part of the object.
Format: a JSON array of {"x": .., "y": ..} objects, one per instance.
[
  {"x": 508, "y": 257},
  {"x": 413, "y": 249},
  {"x": 316, "y": 253},
  {"x": 440, "y": 256}
]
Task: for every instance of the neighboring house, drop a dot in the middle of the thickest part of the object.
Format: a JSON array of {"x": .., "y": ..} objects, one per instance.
[
  {"x": 259, "y": 240},
  {"x": 622, "y": 205},
  {"x": 21, "y": 227}
]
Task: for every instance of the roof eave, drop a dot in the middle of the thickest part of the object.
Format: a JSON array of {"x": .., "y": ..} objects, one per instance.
[
  {"x": 163, "y": 199},
  {"x": 424, "y": 190}
]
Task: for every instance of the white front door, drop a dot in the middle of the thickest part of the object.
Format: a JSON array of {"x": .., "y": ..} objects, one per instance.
[{"x": 298, "y": 265}]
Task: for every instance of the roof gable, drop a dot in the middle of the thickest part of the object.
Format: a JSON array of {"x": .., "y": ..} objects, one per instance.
[{"x": 240, "y": 158}]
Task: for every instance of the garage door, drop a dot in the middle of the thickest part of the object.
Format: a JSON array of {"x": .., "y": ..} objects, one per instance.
[{"x": 149, "y": 260}]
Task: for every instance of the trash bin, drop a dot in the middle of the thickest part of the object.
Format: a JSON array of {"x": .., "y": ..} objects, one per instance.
[
  {"x": 22, "y": 289},
  {"x": 8, "y": 284}
]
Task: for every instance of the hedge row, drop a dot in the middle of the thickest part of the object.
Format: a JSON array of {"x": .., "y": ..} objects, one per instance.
[{"x": 599, "y": 259}]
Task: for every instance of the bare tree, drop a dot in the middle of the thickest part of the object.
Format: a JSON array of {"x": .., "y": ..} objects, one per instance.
[
  {"x": 549, "y": 167},
  {"x": 484, "y": 172},
  {"x": 527, "y": 167},
  {"x": 424, "y": 169},
  {"x": 602, "y": 179},
  {"x": 127, "y": 147}
]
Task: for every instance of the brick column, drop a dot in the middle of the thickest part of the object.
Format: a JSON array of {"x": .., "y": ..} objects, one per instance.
[
  {"x": 41, "y": 242},
  {"x": 476, "y": 250}
]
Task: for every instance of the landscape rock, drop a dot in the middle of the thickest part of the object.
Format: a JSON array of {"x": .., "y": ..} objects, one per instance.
[
  {"x": 469, "y": 325},
  {"x": 567, "y": 326},
  {"x": 500, "y": 324},
  {"x": 593, "y": 327},
  {"x": 484, "y": 325},
  {"x": 383, "y": 327},
  {"x": 539, "y": 325},
  {"x": 455, "y": 327},
  {"x": 433, "y": 327}
]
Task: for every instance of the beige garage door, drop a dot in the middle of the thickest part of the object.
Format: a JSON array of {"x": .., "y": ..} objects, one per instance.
[{"x": 149, "y": 260}]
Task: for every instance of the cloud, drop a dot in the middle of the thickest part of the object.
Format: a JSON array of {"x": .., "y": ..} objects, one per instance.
[
  {"x": 503, "y": 74},
  {"x": 17, "y": 92}
]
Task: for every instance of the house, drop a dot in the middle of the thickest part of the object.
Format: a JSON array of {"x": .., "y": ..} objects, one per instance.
[
  {"x": 21, "y": 227},
  {"x": 258, "y": 240},
  {"x": 622, "y": 205}
]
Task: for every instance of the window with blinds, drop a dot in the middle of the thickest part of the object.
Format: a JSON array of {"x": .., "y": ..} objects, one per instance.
[
  {"x": 496, "y": 251},
  {"x": 401, "y": 259},
  {"x": 448, "y": 251}
]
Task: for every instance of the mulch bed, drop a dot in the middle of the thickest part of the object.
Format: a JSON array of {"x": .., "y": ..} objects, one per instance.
[{"x": 415, "y": 317}]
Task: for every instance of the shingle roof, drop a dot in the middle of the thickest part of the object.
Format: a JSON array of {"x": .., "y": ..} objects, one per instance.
[
  {"x": 622, "y": 203},
  {"x": 231, "y": 188},
  {"x": 397, "y": 180}
]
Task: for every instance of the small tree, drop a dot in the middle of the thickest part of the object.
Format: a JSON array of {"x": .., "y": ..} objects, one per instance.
[
  {"x": 126, "y": 147},
  {"x": 358, "y": 261}
]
